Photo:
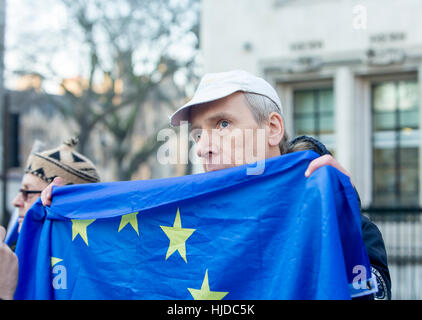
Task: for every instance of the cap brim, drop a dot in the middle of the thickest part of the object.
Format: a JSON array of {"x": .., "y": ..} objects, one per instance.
[{"x": 182, "y": 114}]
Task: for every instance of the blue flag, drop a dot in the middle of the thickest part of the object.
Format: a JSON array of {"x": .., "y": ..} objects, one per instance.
[{"x": 217, "y": 235}]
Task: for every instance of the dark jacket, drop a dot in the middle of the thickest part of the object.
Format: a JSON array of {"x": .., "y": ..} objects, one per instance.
[{"x": 375, "y": 247}]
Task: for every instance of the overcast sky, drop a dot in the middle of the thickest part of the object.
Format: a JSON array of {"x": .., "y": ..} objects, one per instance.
[
  {"x": 23, "y": 16},
  {"x": 47, "y": 18}
]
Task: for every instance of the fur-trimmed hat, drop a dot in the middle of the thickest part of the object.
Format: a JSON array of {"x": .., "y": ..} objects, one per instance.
[{"x": 62, "y": 162}]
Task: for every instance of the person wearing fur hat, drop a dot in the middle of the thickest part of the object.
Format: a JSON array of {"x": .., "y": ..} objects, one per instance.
[{"x": 62, "y": 165}]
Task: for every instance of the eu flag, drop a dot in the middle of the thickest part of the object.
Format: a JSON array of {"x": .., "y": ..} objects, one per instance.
[{"x": 217, "y": 235}]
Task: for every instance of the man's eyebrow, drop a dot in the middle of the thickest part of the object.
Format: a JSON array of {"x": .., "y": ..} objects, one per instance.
[
  {"x": 214, "y": 118},
  {"x": 220, "y": 115},
  {"x": 194, "y": 128}
]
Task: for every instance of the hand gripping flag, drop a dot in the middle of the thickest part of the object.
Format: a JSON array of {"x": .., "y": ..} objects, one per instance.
[{"x": 217, "y": 235}]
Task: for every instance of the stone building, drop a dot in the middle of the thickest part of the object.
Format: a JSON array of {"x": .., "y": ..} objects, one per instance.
[{"x": 349, "y": 73}]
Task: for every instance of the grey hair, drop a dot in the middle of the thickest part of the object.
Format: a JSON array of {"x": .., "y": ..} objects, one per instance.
[
  {"x": 303, "y": 146},
  {"x": 261, "y": 107}
]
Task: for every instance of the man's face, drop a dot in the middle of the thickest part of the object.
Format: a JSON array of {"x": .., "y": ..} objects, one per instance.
[
  {"x": 24, "y": 202},
  {"x": 227, "y": 134}
]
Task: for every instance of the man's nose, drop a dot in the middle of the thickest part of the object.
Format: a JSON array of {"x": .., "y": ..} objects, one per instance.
[
  {"x": 207, "y": 145},
  {"x": 18, "y": 201}
]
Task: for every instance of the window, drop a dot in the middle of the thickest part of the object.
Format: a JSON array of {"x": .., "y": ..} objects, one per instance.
[
  {"x": 314, "y": 114},
  {"x": 395, "y": 119}
]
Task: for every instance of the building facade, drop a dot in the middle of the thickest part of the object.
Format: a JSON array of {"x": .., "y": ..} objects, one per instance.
[{"x": 349, "y": 73}]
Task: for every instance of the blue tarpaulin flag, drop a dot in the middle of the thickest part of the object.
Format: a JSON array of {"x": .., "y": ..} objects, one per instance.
[{"x": 217, "y": 235}]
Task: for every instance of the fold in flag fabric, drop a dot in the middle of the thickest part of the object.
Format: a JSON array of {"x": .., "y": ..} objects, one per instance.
[{"x": 217, "y": 235}]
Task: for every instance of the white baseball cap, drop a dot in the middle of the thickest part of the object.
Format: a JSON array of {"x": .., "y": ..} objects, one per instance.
[{"x": 214, "y": 86}]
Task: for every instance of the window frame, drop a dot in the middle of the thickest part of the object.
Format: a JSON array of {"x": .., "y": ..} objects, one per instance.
[
  {"x": 317, "y": 113},
  {"x": 397, "y": 146},
  {"x": 287, "y": 89}
]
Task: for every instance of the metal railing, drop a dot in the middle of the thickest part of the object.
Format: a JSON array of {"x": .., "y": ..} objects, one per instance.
[{"x": 402, "y": 233}]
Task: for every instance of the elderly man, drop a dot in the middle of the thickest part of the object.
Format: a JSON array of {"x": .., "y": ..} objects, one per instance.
[
  {"x": 224, "y": 108},
  {"x": 69, "y": 167},
  {"x": 227, "y": 104}
]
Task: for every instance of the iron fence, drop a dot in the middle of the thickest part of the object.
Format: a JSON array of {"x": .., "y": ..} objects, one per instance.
[{"x": 402, "y": 233}]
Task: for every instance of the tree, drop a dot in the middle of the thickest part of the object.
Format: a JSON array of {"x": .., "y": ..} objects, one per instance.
[{"x": 128, "y": 49}]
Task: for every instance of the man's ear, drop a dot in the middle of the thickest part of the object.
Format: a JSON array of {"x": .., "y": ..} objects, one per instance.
[{"x": 275, "y": 129}]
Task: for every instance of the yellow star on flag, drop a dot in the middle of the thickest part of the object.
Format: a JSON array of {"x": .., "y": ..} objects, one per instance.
[
  {"x": 177, "y": 236},
  {"x": 131, "y": 219},
  {"x": 79, "y": 227},
  {"x": 204, "y": 293},
  {"x": 55, "y": 261}
]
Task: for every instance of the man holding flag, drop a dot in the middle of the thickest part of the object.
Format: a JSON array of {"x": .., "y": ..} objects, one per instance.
[{"x": 303, "y": 244}]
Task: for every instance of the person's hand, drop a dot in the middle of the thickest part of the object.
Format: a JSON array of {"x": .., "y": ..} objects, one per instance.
[
  {"x": 8, "y": 269},
  {"x": 325, "y": 160},
  {"x": 46, "y": 194}
]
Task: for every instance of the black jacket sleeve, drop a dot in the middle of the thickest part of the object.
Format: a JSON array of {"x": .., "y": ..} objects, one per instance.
[
  {"x": 375, "y": 247},
  {"x": 377, "y": 254}
]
